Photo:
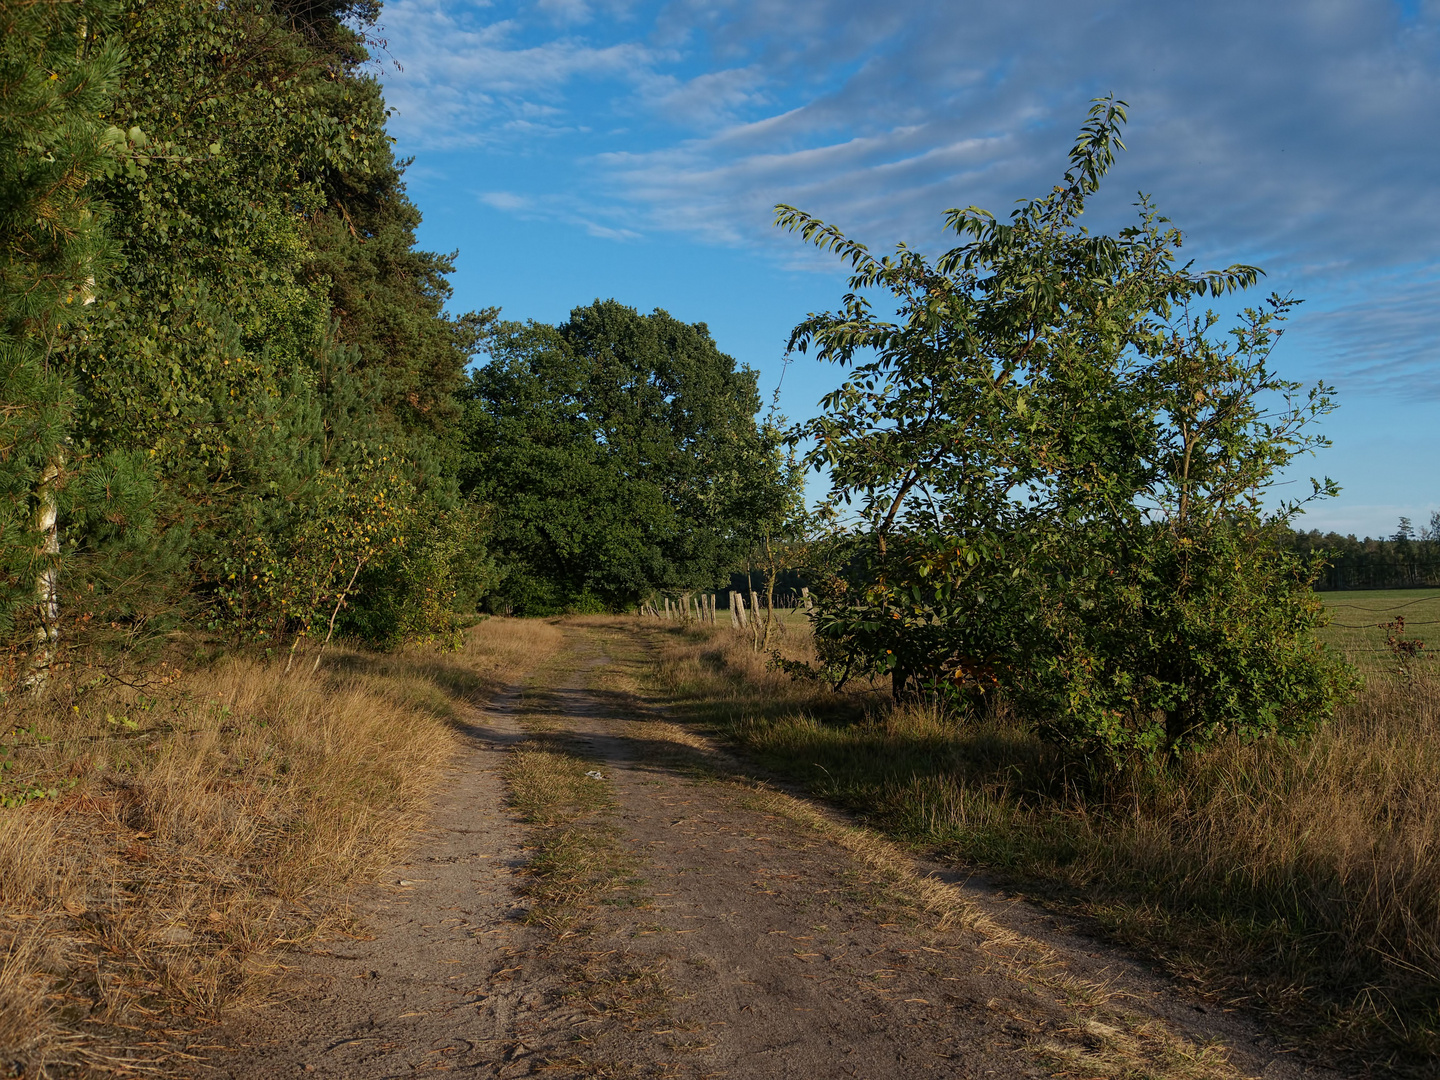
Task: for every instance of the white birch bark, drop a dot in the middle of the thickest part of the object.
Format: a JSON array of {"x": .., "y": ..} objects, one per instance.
[{"x": 47, "y": 582}]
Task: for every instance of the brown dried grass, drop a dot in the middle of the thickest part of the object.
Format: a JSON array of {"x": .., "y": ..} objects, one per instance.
[{"x": 204, "y": 827}]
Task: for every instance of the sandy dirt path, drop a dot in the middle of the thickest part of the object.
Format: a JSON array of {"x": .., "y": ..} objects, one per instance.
[
  {"x": 443, "y": 923},
  {"x": 756, "y": 937}
]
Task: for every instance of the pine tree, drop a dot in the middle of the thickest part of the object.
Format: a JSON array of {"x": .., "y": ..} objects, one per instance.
[{"x": 57, "y": 71}]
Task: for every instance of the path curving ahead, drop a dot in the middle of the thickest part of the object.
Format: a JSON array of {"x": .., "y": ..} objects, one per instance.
[{"x": 758, "y": 937}]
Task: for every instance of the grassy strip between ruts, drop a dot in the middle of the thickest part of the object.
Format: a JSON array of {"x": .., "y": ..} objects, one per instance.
[
  {"x": 1105, "y": 1041},
  {"x": 201, "y": 827},
  {"x": 1303, "y": 880},
  {"x": 576, "y": 858},
  {"x": 578, "y": 874}
]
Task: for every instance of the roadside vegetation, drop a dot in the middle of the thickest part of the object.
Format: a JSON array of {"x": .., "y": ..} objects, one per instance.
[
  {"x": 235, "y": 403},
  {"x": 197, "y": 829},
  {"x": 1061, "y": 627},
  {"x": 1299, "y": 878}
]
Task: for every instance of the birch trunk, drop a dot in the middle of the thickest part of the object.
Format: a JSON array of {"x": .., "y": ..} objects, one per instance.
[{"x": 47, "y": 582}]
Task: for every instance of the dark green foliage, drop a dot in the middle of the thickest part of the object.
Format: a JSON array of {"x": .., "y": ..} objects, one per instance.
[
  {"x": 212, "y": 319},
  {"x": 388, "y": 299},
  {"x": 273, "y": 322},
  {"x": 621, "y": 454},
  {"x": 423, "y": 589},
  {"x": 1060, "y": 473},
  {"x": 1402, "y": 561},
  {"x": 57, "y": 70}
]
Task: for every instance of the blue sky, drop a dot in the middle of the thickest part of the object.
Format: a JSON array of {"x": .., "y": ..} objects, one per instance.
[{"x": 582, "y": 149}]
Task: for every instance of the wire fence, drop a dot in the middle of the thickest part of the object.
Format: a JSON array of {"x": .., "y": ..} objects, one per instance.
[{"x": 1389, "y": 607}]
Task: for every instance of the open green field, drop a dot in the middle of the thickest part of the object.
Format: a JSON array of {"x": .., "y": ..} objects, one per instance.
[{"x": 1360, "y": 613}]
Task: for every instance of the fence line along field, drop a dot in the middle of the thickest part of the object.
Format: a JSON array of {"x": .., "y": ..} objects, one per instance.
[{"x": 1361, "y": 618}]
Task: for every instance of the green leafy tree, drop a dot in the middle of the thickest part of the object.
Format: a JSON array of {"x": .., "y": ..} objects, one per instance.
[
  {"x": 217, "y": 179},
  {"x": 273, "y": 321},
  {"x": 620, "y": 453},
  {"x": 1059, "y": 478}
]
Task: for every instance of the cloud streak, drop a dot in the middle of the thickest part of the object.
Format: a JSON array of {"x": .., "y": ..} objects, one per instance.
[{"x": 1299, "y": 134}]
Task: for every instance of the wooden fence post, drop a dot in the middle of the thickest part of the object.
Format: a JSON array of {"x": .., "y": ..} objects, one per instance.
[{"x": 809, "y": 604}]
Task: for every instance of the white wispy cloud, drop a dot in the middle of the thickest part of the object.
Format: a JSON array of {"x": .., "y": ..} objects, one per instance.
[
  {"x": 561, "y": 208},
  {"x": 1300, "y": 134},
  {"x": 468, "y": 81}
]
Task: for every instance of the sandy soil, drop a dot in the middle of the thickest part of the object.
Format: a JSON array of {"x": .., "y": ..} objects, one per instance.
[{"x": 758, "y": 940}]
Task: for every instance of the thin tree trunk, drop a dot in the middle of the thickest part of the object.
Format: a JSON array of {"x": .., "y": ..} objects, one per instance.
[
  {"x": 339, "y": 601},
  {"x": 289, "y": 660},
  {"x": 47, "y": 582}
]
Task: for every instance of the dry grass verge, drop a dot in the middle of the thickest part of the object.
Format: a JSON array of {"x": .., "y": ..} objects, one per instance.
[
  {"x": 1301, "y": 879},
  {"x": 201, "y": 828}
]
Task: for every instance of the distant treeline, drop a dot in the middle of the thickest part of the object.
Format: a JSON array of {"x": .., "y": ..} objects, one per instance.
[{"x": 1409, "y": 559}]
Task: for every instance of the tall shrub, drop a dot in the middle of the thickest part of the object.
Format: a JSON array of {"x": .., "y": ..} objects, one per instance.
[{"x": 1061, "y": 475}]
